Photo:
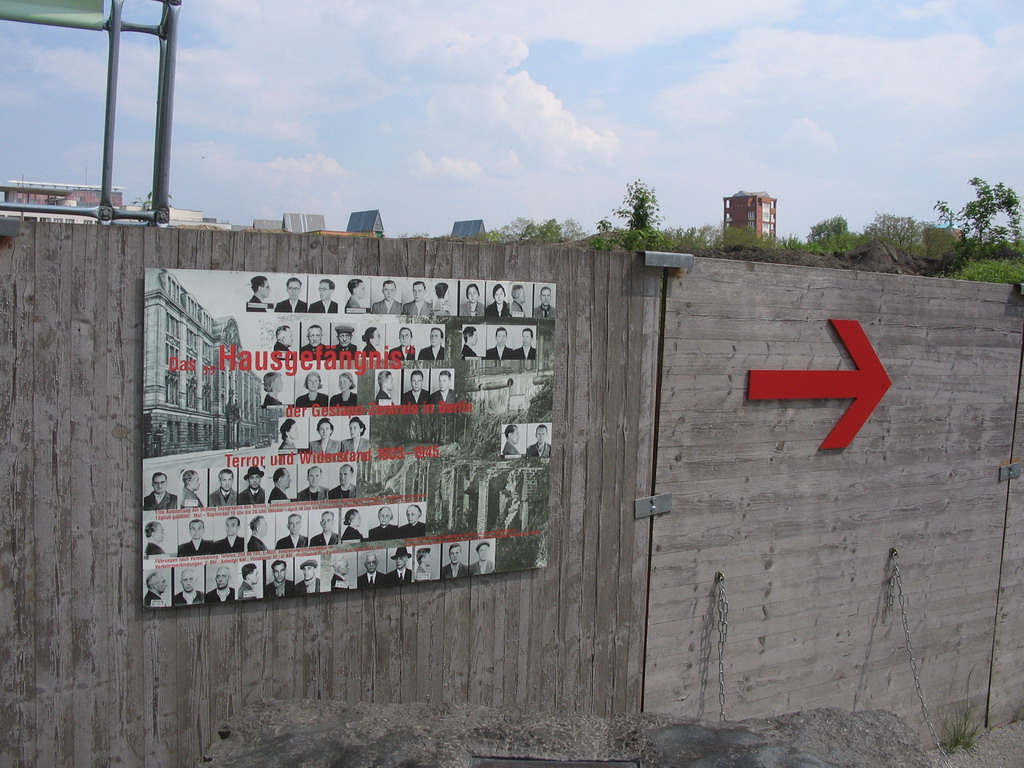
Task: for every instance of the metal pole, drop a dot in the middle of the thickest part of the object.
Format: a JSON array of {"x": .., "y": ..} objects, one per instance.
[
  {"x": 106, "y": 206},
  {"x": 164, "y": 113}
]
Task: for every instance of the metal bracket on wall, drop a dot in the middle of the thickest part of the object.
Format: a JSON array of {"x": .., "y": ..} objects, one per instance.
[
  {"x": 671, "y": 260},
  {"x": 1010, "y": 470},
  {"x": 652, "y": 505}
]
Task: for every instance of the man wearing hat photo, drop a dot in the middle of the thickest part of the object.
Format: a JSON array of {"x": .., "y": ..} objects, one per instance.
[
  {"x": 483, "y": 564},
  {"x": 402, "y": 573},
  {"x": 344, "y": 332},
  {"x": 253, "y": 494},
  {"x": 310, "y": 583}
]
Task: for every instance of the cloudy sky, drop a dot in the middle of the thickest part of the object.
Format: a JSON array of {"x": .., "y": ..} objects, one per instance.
[{"x": 445, "y": 110}]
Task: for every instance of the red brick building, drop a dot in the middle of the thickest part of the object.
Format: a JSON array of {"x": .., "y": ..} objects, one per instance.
[{"x": 754, "y": 210}]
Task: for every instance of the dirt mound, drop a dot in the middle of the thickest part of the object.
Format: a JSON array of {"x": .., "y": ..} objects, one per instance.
[{"x": 874, "y": 256}]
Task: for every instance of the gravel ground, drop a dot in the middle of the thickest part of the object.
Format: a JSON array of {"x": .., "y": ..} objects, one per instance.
[{"x": 998, "y": 748}]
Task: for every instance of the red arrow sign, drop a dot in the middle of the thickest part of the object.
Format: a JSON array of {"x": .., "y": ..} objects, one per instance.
[{"x": 866, "y": 385}]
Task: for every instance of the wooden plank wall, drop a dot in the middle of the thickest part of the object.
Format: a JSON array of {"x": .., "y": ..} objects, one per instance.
[
  {"x": 88, "y": 678},
  {"x": 803, "y": 535}
]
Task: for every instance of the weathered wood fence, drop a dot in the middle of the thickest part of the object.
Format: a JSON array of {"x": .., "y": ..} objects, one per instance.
[
  {"x": 801, "y": 535},
  {"x": 89, "y": 678}
]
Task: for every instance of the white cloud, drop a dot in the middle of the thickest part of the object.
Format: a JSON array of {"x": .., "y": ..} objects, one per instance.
[
  {"x": 517, "y": 110},
  {"x": 926, "y": 10},
  {"x": 771, "y": 67},
  {"x": 423, "y": 166},
  {"x": 806, "y": 133}
]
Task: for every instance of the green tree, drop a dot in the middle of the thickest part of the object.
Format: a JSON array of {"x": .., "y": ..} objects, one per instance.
[
  {"x": 989, "y": 223},
  {"x": 904, "y": 232},
  {"x": 640, "y": 212},
  {"x": 521, "y": 230},
  {"x": 832, "y": 236},
  {"x": 639, "y": 207},
  {"x": 828, "y": 229}
]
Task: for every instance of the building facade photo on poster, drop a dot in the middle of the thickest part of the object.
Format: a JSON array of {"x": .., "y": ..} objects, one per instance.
[{"x": 309, "y": 433}]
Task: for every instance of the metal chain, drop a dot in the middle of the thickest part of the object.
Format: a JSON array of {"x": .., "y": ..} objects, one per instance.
[
  {"x": 896, "y": 588},
  {"x": 722, "y": 603}
]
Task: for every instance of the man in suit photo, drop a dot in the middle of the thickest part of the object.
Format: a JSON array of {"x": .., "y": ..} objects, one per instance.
[
  {"x": 406, "y": 350},
  {"x": 455, "y": 569},
  {"x": 346, "y": 487},
  {"x": 156, "y": 587},
  {"x": 518, "y": 305},
  {"x": 499, "y": 351},
  {"x": 339, "y": 579},
  {"x": 282, "y": 482},
  {"x": 372, "y": 577},
  {"x": 385, "y": 385},
  {"x": 344, "y": 333},
  {"x": 472, "y": 306},
  {"x": 419, "y": 305},
  {"x": 541, "y": 449},
  {"x": 231, "y": 542},
  {"x": 188, "y": 595},
  {"x": 295, "y": 539},
  {"x": 314, "y": 491},
  {"x": 444, "y": 393},
  {"x": 387, "y": 530},
  {"x": 293, "y": 303},
  {"x": 545, "y": 308},
  {"x": 283, "y": 338},
  {"x": 483, "y": 564},
  {"x": 326, "y": 305},
  {"x": 415, "y": 395},
  {"x": 222, "y": 592},
  {"x": 224, "y": 495},
  {"x": 313, "y": 345},
  {"x": 387, "y": 305},
  {"x": 527, "y": 351},
  {"x": 327, "y": 536},
  {"x": 511, "y": 446},
  {"x": 253, "y": 494},
  {"x": 279, "y": 585},
  {"x": 258, "y": 535},
  {"x": 310, "y": 583},
  {"x": 402, "y": 573},
  {"x": 356, "y": 296},
  {"x": 468, "y": 342},
  {"x": 196, "y": 545},
  {"x": 260, "y": 290},
  {"x": 159, "y": 498},
  {"x": 436, "y": 349}
]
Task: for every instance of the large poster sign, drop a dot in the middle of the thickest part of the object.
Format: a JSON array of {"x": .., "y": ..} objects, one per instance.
[{"x": 309, "y": 433}]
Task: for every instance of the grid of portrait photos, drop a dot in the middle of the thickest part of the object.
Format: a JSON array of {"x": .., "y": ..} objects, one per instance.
[{"x": 330, "y": 432}]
